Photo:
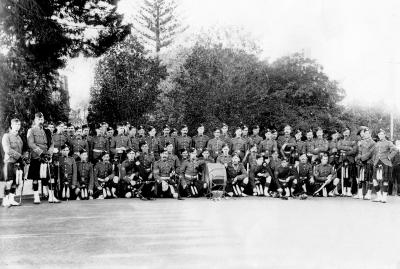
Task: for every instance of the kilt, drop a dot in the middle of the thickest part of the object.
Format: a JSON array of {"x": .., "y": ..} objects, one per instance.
[
  {"x": 9, "y": 172},
  {"x": 34, "y": 169}
]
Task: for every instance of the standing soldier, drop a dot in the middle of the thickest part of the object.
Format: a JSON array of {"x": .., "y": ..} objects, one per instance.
[
  {"x": 299, "y": 149},
  {"x": 225, "y": 135},
  {"x": 85, "y": 178},
  {"x": 246, "y": 137},
  {"x": 347, "y": 149},
  {"x": 152, "y": 142},
  {"x": 174, "y": 133},
  {"x": 172, "y": 158},
  {"x": 86, "y": 134},
  {"x": 321, "y": 146},
  {"x": 133, "y": 138},
  {"x": 383, "y": 155},
  {"x": 165, "y": 138},
  {"x": 250, "y": 159},
  {"x": 255, "y": 138},
  {"x": 365, "y": 163},
  {"x": 99, "y": 145},
  {"x": 215, "y": 144},
  {"x": 200, "y": 140},
  {"x": 309, "y": 144},
  {"x": 70, "y": 131},
  {"x": 224, "y": 158},
  {"x": 78, "y": 143},
  {"x": 268, "y": 145},
  {"x": 238, "y": 144},
  {"x": 59, "y": 139},
  {"x": 141, "y": 133},
  {"x": 120, "y": 144},
  {"x": 184, "y": 141},
  {"x": 286, "y": 143},
  {"x": 41, "y": 145},
  {"x": 14, "y": 159}
]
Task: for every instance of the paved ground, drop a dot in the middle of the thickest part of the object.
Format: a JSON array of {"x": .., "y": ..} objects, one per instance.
[{"x": 198, "y": 233}]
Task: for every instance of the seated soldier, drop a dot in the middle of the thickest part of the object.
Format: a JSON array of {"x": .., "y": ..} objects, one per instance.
[
  {"x": 285, "y": 179},
  {"x": 237, "y": 178},
  {"x": 85, "y": 181},
  {"x": 304, "y": 174},
  {"x": 105, "y": 179},
  {"x": 164, "y": 174},
  {"x": 260, "y": 177},
  {"x": 191, "y": 185},
  {"x": 130, "y": 184},
  {"x": 145, "y": 171},
  {"x": 325, "y": 179}
]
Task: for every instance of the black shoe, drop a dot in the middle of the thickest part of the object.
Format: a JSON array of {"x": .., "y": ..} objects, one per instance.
[{"x": 150, "y": 198}]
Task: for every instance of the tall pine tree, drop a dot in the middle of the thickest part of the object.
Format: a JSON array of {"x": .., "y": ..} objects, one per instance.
[{"x": 158, "y": 23}]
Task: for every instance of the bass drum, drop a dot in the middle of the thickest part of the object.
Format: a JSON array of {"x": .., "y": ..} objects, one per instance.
[{"x": 215, "y": 176}]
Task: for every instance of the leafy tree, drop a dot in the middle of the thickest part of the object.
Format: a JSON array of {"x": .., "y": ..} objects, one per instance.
[
  {"x": 126, "y": 84},
  {"x": 38, "y": 37},
  {"x": 158, "y": 23}
]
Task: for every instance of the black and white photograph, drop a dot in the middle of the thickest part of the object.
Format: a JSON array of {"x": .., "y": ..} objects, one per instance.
[{"x": 200, "y": 134}]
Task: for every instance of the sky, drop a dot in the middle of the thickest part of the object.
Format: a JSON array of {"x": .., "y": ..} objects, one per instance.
[{"x": 357, "y": 42}]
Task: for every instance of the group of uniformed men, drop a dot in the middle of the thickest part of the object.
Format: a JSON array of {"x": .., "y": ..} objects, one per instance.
[{"x": 133, "y": 162}]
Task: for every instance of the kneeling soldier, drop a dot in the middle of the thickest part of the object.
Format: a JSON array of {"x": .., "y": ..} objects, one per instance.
[
  {"x": 285, "y": 179},
  {"x": 85, "y": 179},
  {"x": 129, "y": 184},
  {"x": 260, "y": 177},
  {"x": 325, "y": 179},
  {"x": 164, "y": 175},
  {"x": 68, "y": 172},
  {"x": 104, "y": 178},
  {"x": 237, "y": 177},
  {"x": 190, "y": 183}
]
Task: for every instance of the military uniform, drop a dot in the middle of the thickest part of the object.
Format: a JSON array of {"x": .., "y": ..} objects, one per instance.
[
  {"x": 99, "y": 146},
  {"x": 12, "y": 145},
  {"x": 214, "y": 146},
  {"x": 191, "y": 184},
  {"x": 285, "y": 179},
  {"x": 135, "y": 141},
  {"x": 183, "y": 143},
  {"x": 382, "y": 156},
  {"x": 260, "y": 175},
  {"x": 322, "y": 173},
  {"x": 78, "y": 144},
  {"x": 285, "y": 145},
  {"x": 85, "y": 176},
  {"x": 224, "y": 159},
  {"x": 238, "y": 146},
  {"x": 153, "y": 144},
  {"x": 347, "y": 149},
  {"x": 68, "y": 175},
  {"x": 200, "y": 143},
  {"x": 239, "y": 186},
  {"x": 103, "y": 178},
  {"x": 174, "y": 161},
  {"x": 268, "y": 146},
  {"x": 162, "y": 174},
  {"x": 320, "y": 146},
  {"x": 365, "y": 165},
  {"x": 163, "y": 140},
  {"x": 38, "y": 142},
  {"x": 226, "y": 138},
  {"x": 117, "y": 142},
  {"x": 59, "y": 139},
  {"x": 145, "y": 170},
  {"x": 130, "y": 181},
  {"x": 255, "y": 140},
  {"x": 304, "y": 173}
]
